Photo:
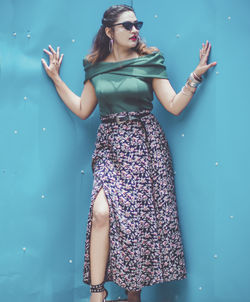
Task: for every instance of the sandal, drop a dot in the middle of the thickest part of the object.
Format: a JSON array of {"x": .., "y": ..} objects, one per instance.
[{"x": 99, "y": 288}]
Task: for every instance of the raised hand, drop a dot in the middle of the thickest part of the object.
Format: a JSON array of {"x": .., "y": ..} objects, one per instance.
[
  {"x": 54, "y": 62},
  {"x": 203, "y": 66}
]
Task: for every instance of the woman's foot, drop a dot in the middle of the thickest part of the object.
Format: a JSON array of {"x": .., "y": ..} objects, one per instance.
[
  {"x": 134, "y": 296},
  {"x": 98, "y": 292},
  {"x": 97, "y": 297}
]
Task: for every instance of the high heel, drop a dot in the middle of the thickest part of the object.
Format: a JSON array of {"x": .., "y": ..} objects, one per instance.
[{"x": 99, "y": 288}]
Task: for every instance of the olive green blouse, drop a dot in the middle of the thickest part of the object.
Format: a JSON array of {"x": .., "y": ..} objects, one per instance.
[{"x": 125, "y": 85}]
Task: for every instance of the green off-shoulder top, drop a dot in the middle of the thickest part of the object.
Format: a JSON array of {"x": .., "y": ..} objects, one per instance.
[{"x": 125, "y": 85}]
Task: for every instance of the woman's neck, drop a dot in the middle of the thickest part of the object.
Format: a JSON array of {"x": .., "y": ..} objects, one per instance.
[{"x": 116, "y": 56}]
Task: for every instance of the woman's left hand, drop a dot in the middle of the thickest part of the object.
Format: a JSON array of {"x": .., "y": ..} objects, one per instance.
[{"x": 203, "y": 66}]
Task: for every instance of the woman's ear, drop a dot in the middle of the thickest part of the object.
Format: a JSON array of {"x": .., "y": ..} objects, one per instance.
[{"x": 108, "y": 32}]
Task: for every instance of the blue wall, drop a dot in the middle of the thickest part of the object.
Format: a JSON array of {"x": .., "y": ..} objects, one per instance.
[{"x": 45, "y": 150}]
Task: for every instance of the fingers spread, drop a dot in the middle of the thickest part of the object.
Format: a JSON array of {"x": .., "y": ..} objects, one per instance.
[
  {"x": 61, "y": 58},
  {"x": 48, "y": 52},
  {"x": 44, "y": 63},
  {"x": 52, "y": 49}
]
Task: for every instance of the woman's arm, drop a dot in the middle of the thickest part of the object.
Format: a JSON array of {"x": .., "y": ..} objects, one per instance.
[
  {"x": 82, "y": 106},
  {"x": 175, "y": 103},
  {"x": 172, "y": 102},
  {"x": 70, "y": 99}
]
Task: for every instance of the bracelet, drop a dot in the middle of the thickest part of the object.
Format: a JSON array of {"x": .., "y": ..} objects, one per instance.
[
  {"x": 189, "y": 90},
  {"x": 191, "y": 93},
  {"x": 192, "y": 84},
  {"x": 198, "y": 78},
  {"x": 192, "y": 81}
]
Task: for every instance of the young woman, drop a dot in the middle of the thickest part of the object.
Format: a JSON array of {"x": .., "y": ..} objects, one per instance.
[{"x": 133, "y": 236}]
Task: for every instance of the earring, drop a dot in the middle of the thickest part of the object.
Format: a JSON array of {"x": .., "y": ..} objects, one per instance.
[{"x": 111, "y": 41}]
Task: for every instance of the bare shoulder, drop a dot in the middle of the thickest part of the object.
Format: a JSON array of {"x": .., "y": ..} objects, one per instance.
[
  {"x": 149, "y": 50},
  {"x": 153, "y": 48}
]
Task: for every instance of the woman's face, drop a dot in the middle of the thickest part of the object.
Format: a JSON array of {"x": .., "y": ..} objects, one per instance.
[{"x": 121, "y": 35}]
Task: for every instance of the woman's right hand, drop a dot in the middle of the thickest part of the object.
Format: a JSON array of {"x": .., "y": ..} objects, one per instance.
[{"x": 54, "y": 62}]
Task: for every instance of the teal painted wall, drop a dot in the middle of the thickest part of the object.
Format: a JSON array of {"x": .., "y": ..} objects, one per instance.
[{"x": 45, "y": 150}]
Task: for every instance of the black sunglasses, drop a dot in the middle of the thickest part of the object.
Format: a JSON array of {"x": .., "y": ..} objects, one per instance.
[{"x": 129, "y": 25}]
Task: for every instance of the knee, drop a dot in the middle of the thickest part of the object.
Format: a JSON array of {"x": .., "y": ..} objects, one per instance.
[
  {"x": 101, "y": 210},
  {"x": 100, "y": 217}
]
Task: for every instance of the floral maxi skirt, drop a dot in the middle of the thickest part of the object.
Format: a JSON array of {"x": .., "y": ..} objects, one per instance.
[{"x": 132, "y": 163}]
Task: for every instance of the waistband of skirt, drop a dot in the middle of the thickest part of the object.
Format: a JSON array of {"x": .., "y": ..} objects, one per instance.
[{"x": 124, "y": 113}]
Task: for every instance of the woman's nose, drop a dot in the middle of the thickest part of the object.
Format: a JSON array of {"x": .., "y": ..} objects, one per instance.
[{"x": 134, "y": 29}]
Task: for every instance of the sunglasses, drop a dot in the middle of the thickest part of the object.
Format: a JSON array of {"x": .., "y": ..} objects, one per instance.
[{"x": 129, "y": 25}]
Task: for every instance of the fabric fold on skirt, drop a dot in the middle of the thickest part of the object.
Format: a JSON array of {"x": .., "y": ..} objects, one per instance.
[{"x": 132, "y": 163}]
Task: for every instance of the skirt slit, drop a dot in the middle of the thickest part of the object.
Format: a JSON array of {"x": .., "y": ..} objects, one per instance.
[{"x": 97, "y": 186}]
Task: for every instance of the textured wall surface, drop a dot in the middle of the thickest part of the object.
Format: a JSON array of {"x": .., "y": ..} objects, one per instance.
[{"x": 45, "y": 150}]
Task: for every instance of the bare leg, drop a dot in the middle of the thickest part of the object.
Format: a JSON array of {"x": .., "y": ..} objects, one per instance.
[
  {"x": 134, "y": 296},
  {"x": 99, "y": 243}
]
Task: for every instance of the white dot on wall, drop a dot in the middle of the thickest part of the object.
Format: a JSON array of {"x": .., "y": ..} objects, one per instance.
[
  {"x": 217, "y": 72},
  {"x": 70, "y": 261},
  {"x": 215, "y": 256},
  {"x": 82, "y": 171},
  {"x": 44, "y": 129},
  {"x": 15, "y": 131},
  {"x": 182, "y": 135},
  {"x": 178, "y": 36},
  {"x": 28, "y": 36},
  {"x": 232, "y": 217},
  {"x": 200, "y": 288},
  {"x": 156, "y": 16},
  {"x": 73, "y": 40},
  {"x": 216, "y": 164},
  {"x": 24, "y": 248},
  {"x": 229, "y": 18},
  {"x": 25, "y": 98},
  {"x": 14, "y": 34},
  {"x": 43, "y": 196}
]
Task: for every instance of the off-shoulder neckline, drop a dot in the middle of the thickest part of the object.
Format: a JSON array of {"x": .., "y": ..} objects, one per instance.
[{"x": 128, "y": 60}]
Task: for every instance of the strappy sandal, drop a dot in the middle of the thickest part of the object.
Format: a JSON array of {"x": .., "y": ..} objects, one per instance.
[{"x": 99, "y": 288}]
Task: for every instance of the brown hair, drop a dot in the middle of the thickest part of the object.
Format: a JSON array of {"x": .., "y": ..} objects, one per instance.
[{"x": 100, "y": 44}]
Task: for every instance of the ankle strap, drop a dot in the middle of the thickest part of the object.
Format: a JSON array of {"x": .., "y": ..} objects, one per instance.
[{"x": 97, "y": 288}]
